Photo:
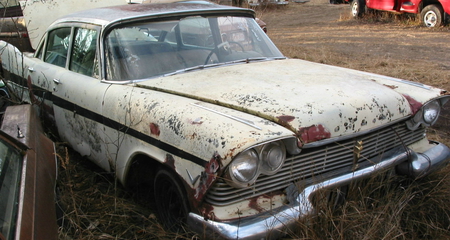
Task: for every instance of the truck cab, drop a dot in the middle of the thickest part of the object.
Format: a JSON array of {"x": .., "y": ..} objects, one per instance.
[{"x": 433, "y": 13}]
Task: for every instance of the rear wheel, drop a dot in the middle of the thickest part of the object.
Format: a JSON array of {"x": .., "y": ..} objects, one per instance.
[
  {"x": 432, "y": 15},
  {"x": 358, "y": 8},
  {"x": 171, "y": 201}
]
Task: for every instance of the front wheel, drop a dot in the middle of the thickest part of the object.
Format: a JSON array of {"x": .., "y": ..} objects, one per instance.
[
  {"x": 358, "y": 8},
  {"x": 171, "y": 201},
  {"x": 432, "y": 15}
]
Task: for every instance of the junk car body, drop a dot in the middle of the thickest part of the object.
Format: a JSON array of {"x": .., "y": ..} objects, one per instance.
[
  {"x": 28, "y": 172},
  {"x": 196, "y": 102},
  {"x": 12, "y": 25},
  {"x": 432, "y": 13},
  {"x": 267, "y": 2}
]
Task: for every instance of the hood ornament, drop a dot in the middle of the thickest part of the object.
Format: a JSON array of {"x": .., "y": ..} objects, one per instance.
[{"x": 357, "y": 149}]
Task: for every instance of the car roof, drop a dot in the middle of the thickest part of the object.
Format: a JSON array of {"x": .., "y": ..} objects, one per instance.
[{"x": 123, "y": 13}]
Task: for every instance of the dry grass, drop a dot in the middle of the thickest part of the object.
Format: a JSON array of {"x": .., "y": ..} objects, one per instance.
[
  {"x": 95, "y": 207},
  {"x": 383, "y": 207},
  {"x": 386, "y": 207}
]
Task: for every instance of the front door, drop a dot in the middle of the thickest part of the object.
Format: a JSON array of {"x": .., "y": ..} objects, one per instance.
[{"x": 386, "y": 5}]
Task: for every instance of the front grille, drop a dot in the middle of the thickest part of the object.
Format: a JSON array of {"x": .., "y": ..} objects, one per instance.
[{"x": 317, "y": 161}]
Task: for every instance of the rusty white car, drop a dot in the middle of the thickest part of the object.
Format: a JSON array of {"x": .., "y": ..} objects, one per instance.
[
  {"x": 194, "y": 102},
  {"x": 28, "y": 171}
]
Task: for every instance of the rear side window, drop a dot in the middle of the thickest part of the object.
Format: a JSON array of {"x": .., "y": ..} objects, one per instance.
[
  {"x": 58, "y": 47},
  {"x": 84, "y": 52}
]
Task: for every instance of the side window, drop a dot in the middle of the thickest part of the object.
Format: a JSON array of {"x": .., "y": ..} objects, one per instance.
[
  {"x": 83, "y": 59},
  {"x": 57, "y": 47},
  {"x": 10, "y": 174},
  {"x": 196, "y": 31}
]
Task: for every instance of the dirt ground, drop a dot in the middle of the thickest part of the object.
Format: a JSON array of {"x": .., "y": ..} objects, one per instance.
[
  {"x": 397, "y": 46},
  {"x": 329, "y": 35},
  {"x": 390, "y": 44}
]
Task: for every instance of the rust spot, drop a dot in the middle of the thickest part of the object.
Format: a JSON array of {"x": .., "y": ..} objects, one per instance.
[
  {"x": 193, "y": 136},
  {"x": 154, "y": 129},
  {"x": 313, "y": 133},
  {"x": 33, "y": 98},
  {"x": 170, "y": 161},
  {"x": 286, "y": 118},
  {"x": 207, "y": 211},
  {"x": 208, "y": 177},
  {"x": 197, "y": 121},
  {"x": 254, "y": 204},
  {"x": 391, "y": 86},
  {"x": 413, "y": 103}
]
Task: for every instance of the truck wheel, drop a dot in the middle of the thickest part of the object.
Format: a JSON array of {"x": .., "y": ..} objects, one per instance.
[
  {"x": 170, "y": 200},
  {"x": 358, "y": 8},
  {"x": 431, "y": 15}
]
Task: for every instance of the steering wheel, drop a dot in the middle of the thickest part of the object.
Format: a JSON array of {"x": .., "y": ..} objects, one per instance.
[{"x": 223, "y": 48}]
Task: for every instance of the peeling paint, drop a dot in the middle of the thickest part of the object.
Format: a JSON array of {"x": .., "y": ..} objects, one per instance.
[
  {"x": 254, "y": 205},
  {"x": 391, "y": 86},
  {"x": 170, "y": 161},
  {"x": 313, "y": 133},
  {"x": 196, "y": 121},
  {"x": 286, "y": 118},
  {"x": 414, "y": 104},
  {"x": 154, "y": 129},
  {"x": 208, "y": 177},
  {"x": 207, "y": 211}
]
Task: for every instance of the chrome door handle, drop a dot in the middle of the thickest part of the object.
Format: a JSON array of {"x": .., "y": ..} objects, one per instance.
[
  {"x": 31, "y": 69},
  {"x": 57, "y": 81}
]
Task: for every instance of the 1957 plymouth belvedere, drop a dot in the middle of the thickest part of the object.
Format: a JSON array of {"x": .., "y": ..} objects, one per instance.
[{"x": 195, "y": 101}]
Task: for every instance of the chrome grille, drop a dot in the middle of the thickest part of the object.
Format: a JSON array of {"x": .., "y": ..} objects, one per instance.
[{"x": 317, "y": 161}]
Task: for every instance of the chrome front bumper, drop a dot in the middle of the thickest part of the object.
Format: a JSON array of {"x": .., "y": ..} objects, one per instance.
[{"x": 273, "y": 224}]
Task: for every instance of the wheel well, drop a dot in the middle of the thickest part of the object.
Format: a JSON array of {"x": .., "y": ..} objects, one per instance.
[
  {"x": 141, "y": 174},
  {"x": 428, "y": 2},
  {"x": 141, "y": 171}
]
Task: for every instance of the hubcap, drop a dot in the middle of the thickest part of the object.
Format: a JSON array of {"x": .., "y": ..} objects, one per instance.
[
  {"x": 430, "y": 19},
  {"x": 355, "y": 9}
]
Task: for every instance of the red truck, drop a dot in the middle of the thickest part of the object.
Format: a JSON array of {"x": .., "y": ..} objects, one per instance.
[{"x": 433, "y": 13}]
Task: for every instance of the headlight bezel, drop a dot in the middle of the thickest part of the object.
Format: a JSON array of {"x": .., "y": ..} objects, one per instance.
[
  {"x": 276, "y": 147},
  {"x": 233, "y": 172},
  {"x": 428, "y": 114}
]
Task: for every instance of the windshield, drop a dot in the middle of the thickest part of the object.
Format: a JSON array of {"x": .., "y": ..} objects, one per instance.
[{"x": 143, "y": 50}]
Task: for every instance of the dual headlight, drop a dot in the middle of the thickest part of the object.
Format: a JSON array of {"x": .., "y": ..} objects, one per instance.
[
  {"x": 248, "y": 165},
  {"x": 427, "y": 114}
]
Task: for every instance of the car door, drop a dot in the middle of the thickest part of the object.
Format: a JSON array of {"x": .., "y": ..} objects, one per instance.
[
  {"x": 388, "y": 5},
  {"x": 77, "y": 91}
]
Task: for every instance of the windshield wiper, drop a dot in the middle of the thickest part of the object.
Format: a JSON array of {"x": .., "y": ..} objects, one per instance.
[{"x": 199, "y": 67}]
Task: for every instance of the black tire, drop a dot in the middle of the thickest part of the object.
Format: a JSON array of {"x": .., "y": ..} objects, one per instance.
[
  {"x": 358, "y": 8},
  {"x": 171, "y": 202},
  {"x": 432, "y": 16},
  {"x": 336, "y": 1}
]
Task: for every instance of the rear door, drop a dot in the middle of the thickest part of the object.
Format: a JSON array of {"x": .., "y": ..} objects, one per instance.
[{"x": 70, "y": 72}]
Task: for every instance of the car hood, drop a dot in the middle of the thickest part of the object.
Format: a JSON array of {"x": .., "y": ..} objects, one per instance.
[{"x": 315, "y": 101}]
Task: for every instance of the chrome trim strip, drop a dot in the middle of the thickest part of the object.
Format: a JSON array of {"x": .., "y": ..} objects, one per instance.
[
  {"x": 415, "y": 84},
  {"x": 244, "y": 121}
]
